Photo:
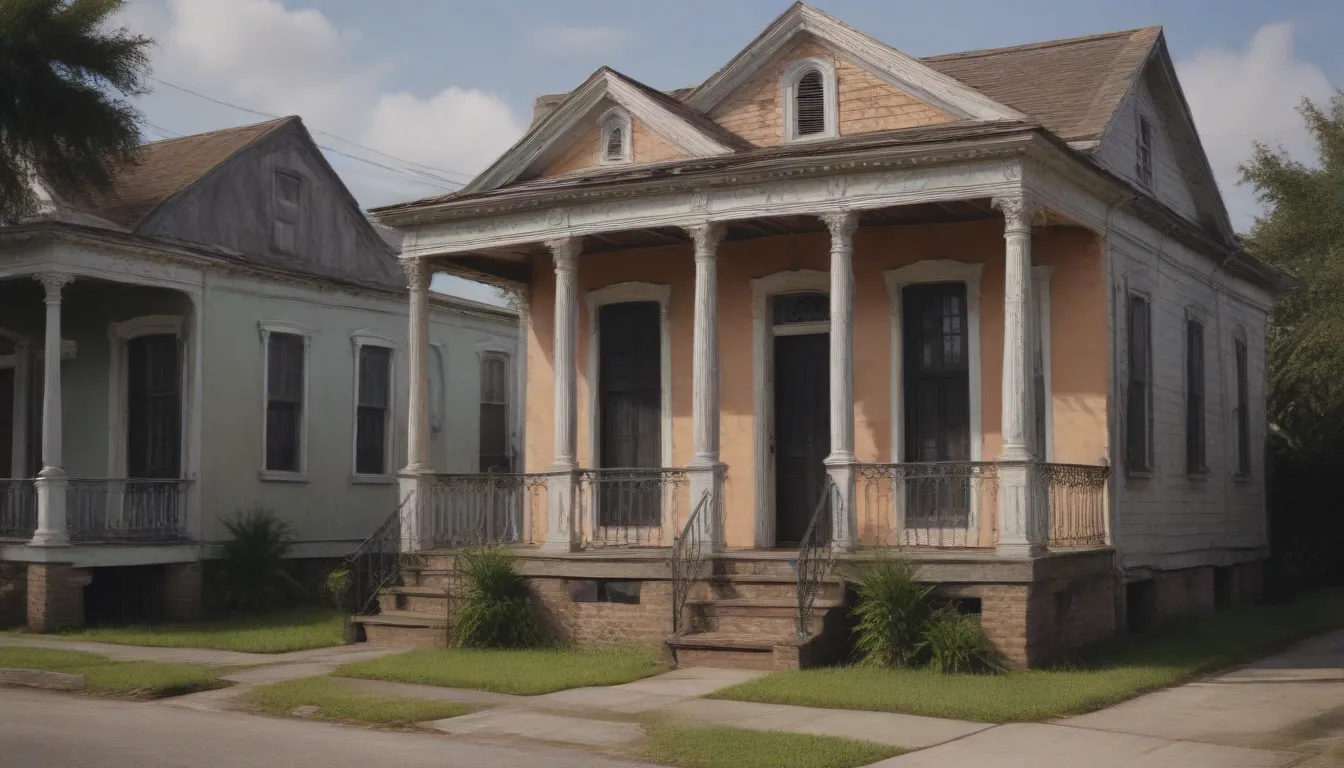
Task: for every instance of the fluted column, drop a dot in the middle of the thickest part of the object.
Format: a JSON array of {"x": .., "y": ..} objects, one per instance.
[
  {"x": 414, "y": 479},
  {"x": 51, "y": 481},
  {"x": 840, "y": 462},
  {"x": 705, "y": 469},
  {"x": 561, "y": 532},
  {"x": 1020, "y": 526}
]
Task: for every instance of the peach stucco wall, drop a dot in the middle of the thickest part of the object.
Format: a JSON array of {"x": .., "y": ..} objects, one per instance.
[{"x": 1078, "y": 329}]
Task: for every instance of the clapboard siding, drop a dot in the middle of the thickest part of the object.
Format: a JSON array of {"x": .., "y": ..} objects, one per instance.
[{"x": 1119, "y": 146}]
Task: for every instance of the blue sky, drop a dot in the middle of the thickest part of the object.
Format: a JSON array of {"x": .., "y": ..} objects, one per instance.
[{"x": 442, "y": 87}]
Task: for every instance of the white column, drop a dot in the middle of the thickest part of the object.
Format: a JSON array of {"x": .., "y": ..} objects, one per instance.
[
  {"x": 51, "y": 482},
  {"x": 840, "y": 462},
  {"x": 413, "y": 479},
  {"x": 560, "y": 513},
  {"x": 705, "y": 468},
  {"x": 1020, "y": 531}
]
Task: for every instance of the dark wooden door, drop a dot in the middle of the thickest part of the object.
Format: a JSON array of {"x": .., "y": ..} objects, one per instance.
[
  {"x": 936, "y": 369},
  {"x": 802, "y": 431},
  {"x": 153, "y": 408},
  {"x": 630, "y": 410},
  {"x": 6, "y": 421}
]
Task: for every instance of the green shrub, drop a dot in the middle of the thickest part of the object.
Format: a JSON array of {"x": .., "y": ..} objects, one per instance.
[
  {"x": 496, "y": 610},
  {"x": 890, "y": 613},
  {"x": 253, "y": 574},
  {"x": 338, "y": 586},
  {"x": 956, "y": 644}
]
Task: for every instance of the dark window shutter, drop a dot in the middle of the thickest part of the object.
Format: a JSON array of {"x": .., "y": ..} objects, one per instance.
[
  {"x": 284, "y": 401},
  {"x": 1136, "y": 421},
  {"x": 1194, "y": 397},
  {"x": 1243, "y": 410},
  {"x": 375, "y": 383},
  {"x": 810, "y": 104}
]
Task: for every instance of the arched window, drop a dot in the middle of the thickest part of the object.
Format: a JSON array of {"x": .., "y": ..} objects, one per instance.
[
  {"x": 809, "y": 100},
  {"x": 614, "y": 145},
  {"x": 810, "y": 105}
]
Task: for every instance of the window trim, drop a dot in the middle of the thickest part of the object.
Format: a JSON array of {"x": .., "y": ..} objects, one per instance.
[
  {"x": 118, "y": 406},
  {"x": 1196, "y": 315},
  {"x": 1143, "y": 172},
  {"x": 615, "y": 119},
  {"x": 1148, "y": 465},
  {"x": 265, "y": 328},
  {"x": 830, "y": 100},
  {"x": 368, "y": 337}
]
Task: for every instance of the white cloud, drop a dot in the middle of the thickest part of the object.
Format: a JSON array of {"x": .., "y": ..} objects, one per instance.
[
  {"x": 566, "y": 40},
  {"x": 1241, "y": 95}
]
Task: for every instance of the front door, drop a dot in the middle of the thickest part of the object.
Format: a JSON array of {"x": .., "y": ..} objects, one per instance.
[{"x": 802, "y": 431}]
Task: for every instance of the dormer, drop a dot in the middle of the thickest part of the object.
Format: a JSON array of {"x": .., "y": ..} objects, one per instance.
[{"x": 811, "y": 106}]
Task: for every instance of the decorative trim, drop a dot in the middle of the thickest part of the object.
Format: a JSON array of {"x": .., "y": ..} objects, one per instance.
[
  {"x": 265, "y": 328},
  {"x": 618, "y": 294},
  {"x": 910, "y": 75},
  {"x": 370, "y": 337},
  {"x": 615, "y": 119},
  {"x": 762, "y": 383},
  {"x": 830, "y": 100},
  {"x": 936, "y": 271},
  {"x": 118, "y": 391}
]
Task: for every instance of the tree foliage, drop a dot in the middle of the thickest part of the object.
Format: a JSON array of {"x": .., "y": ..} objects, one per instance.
[{"x": 66, "y": 77}]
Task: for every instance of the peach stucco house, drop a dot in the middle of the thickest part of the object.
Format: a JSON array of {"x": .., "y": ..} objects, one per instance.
[{"x": 984, "y": 309}]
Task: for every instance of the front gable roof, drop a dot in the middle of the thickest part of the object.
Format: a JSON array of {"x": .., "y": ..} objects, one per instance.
[{"x": 907, "y": 73}]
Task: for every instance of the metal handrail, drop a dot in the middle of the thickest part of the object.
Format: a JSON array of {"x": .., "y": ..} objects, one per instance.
[
  {"x": 687, "y": 561},
  {"x": 816, "y": 555},
  {"x": 375, "y": 564}
]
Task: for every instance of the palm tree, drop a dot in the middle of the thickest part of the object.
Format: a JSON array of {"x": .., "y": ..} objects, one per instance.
[{"x": 66, "y": 78}]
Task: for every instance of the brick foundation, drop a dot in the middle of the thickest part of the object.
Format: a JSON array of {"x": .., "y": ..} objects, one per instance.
[
  {"x": 1182, "y": 593},
  {"x": 13, "y": 595},
  {"x": 648, "y": 623},
  {"x": 55, "y": 596},
  {"x": 182, "y": 591},
  {"x": 1240, "y": 585},
  {"x": 1033, "y": 623}
]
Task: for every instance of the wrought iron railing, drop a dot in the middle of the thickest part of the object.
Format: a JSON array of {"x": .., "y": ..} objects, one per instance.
[
  {"x": 630, "y": 507},
  {"x": 18, "y": 508},
  {"x": 488, "y": 509},
  {"x": 376, "y": 564},
  {"x": 816, "y": 554},
  {"x": 935, "y": 504},
  {"x": 1075, "y": 499},
  {"x": 119, "y": 509},
  {"x": 689, "y": 557}
]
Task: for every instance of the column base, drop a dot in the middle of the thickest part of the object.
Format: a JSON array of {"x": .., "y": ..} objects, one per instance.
[
  {"x": 1019, "y": 551},
  {"x": 1021, "y": 533},
  {"x": 561, "y": 516},
  {"x": 413, "y": 497},
  {"x": 844, "y": 517},
  {"x": 706, "y": 477},
  {"x": 51, "y": 487}
]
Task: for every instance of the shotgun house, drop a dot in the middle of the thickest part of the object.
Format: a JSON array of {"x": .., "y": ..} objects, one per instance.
[
  {"x": 984, "y": 310},
  {"x": 221, "y": 329}
]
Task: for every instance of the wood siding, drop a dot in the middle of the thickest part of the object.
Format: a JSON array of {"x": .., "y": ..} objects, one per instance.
[{"x": 1119, "y": 147}]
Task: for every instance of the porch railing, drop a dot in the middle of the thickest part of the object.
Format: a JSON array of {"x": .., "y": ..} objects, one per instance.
[
  {"x": 936, "y": 504},
  {"x": 690, "y": 556},
  {"x": 630, "y": 507},
  {"x": 118, "y": 509},
  {"x": 1075, "y": 499},
  {"x": 495, "y": 508},
  {"x": 18, "y": 508}
]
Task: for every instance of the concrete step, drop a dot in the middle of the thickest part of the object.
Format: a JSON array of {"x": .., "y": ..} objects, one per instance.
[
  {"x": 772, "y": 564},
  {"x": 756, "y": 616},
  {"x": 732, "y": 650},
  {"x": 404, "y": 629},
  {"x": 414, "y": 599}
]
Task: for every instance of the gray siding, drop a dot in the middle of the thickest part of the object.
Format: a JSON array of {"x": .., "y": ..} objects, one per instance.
[{"x": 1119, "y": 147}]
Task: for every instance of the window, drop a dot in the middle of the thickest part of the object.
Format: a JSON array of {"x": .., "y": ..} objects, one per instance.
[
  {"x": 288, "y": 202},
  {"x": 372, "y": 409},
  {"x": 284, "y": 402},
  {"x": 153, "y": 407},
  {"x": 1243, "y": 410},
  {"x": 1194, "y": 398},
  {"x": 604, "y": 591},
  {"x": 810, "y": 107},
  {"x": 615, "y": 142},
  {"x": 1138, "y": 416},
  {"x": 629, "y": 385},
  {"x": 494, "y": 446},
  {"x": 1143, "y": 162},
  {"x": 809, "y": 100}
]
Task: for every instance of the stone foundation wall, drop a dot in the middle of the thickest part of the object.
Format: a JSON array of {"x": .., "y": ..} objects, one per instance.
[
  {"x": 648, "y": 623},
  {"x": 13, "y": 595},
  {"x": 55, "y": 596},
  {"x": 182, "y": 591}
]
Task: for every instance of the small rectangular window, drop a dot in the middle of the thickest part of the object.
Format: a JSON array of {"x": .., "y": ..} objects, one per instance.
[
  {"x": 494, "y": 446},
  {"x": 1143, "y": 162},
  {"x": 1195, "y": 462},
  {"x": 284, "y": 402},
  {"x": 605, "y": 591},
  {"x": 1243, "y": 410},
  {"x": 288, "y": 206},
  {"x": 371, "y": 412},
  {"x": 1138, "y": 418}
]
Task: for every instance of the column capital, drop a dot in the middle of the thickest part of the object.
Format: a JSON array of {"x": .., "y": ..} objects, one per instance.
[
  {"x": 53, "y": 282},
  {"x": 706, "y": 237},
  {"x": 417, "y": 274},
  {"x": 564, "y": 251},
  {"x": 1019, "y": 212},
  {"x": 841, "y": 225}
]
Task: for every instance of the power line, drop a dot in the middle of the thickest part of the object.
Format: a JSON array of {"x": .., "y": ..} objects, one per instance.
[{"x": 412, "y": 165}]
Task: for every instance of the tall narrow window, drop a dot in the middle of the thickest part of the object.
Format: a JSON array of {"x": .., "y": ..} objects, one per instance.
[
  {"x": 1143, "y": 161},
  {"x": 1138, "y": 416},
  {"x": 288, "y": 204},
  {"x": 630, "y": 411},
  {"x": 1243, "y": 410},
  {"x": 494, "y": 414},
  {"x": 153, "y": 407},
  {"x": 1194, "y": 397},
  {"x": 284, "y": 402},
  {"x": 372, "y": 410},
  {"x": 810, "y": 104}
]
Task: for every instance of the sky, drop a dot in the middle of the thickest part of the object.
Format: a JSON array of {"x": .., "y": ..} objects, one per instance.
[{"x": 410, "y": 98}]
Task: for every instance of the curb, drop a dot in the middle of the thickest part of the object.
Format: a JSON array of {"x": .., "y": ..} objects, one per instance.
[{"x": 36, "y": 678}]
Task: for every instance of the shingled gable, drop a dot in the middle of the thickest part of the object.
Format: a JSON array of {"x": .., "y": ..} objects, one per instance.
[{"x": 693, "y": 133}]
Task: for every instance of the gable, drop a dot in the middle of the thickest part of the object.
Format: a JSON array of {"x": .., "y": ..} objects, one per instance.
[
  {"x": 236, "y": 207},
  {"x": 646, "y": 146},
  {"x": 866, "y": 103}
]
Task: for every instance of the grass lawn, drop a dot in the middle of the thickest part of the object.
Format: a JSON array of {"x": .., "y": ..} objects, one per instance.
[
  {"x": 701, "y": 747},
  {"x": 293, "y": 630},
  {"x": 336, "y": 702},
  {"x": 528, "y": 673},
  {"x": 102, "y": 675},
  {"x": 1108, "y": 673}
]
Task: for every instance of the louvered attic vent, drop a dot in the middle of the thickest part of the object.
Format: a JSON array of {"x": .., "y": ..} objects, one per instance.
[
  {"x": 811, "y": 105},
  {"x": 615, "y": 143}
]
